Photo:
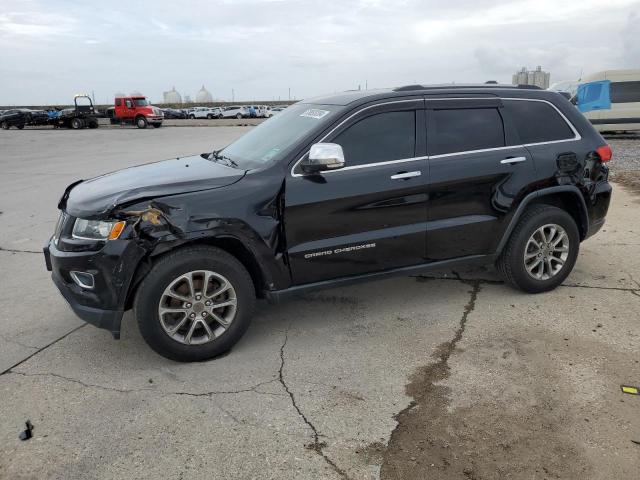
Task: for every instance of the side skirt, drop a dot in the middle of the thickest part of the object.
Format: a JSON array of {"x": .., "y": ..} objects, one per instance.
[{"x": 277, "y": 296}]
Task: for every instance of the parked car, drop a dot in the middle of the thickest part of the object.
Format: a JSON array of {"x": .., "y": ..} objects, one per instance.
[
  {"x": 276, "y": 110},
  {"x": 136, "y": 110},
  {"x": 511, "y": 175},
  {"x": 173, "y": 113},
  {"x": 263, "y": 111},
  {"x": 235, "y": 111},
  {"x": 19, "y": 117},
  {"x": 206, "y": 112},
  {"x": 611, "y": 100}
]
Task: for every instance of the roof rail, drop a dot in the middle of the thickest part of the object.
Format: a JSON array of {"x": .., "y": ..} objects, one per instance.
[{"x": 407, "y": 88}]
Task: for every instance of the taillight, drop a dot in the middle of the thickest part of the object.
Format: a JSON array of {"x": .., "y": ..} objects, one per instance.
[{"x": 605, "y": 153}]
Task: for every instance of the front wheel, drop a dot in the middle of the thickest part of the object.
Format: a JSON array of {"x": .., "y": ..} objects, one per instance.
[
  {"x": 157, "y": 125},
  {"x": 239, "y": 116},
  {"x": 20, "y": 127},
  {"x": 192, "y": 117},
  {"x": 5, "y": 125},
  {"x": 141, "y": 122},
  {"x": 77, "y": 123},
  {"x": 195, "y": 304},
  {"x": 541, "y": 251}
]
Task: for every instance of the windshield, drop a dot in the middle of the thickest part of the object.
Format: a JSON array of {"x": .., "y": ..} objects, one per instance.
[
  {"x": 141, "y": 102},
  {"x": 273, "y": 139}
]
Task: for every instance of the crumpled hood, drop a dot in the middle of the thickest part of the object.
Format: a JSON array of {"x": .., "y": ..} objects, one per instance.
[{"x": 100, "y": 195}]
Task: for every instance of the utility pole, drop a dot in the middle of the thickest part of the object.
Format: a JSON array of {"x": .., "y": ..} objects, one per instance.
[
  {"x": 233, "y": 96},
  {"x": 366, "y": 84},
  {"x": 289, "y": 93}
]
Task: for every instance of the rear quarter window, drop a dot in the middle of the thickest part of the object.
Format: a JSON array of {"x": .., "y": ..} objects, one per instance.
[{"x": 538, "y": 122}]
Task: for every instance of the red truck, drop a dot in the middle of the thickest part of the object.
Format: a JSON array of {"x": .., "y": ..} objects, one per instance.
[{"x": 135, "y": 110}]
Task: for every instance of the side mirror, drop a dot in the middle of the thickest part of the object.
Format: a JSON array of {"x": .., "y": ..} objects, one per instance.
[{"x": 322, "y": 157}]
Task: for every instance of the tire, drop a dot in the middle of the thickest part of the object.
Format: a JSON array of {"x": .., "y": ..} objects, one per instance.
[
  {"x": 153, "y": 293},
  {"x": 141, "y": 122},
  {"x": 77, "y": 123},
  {"x": 523, "y": 240},
  {"x": 93, "y": 124},
  {"x": 5, "y": 125},
  {"x": 239, "y": 116},
  {"x": 209, "y": 117},
  {"x": 192, "y": 117},
  {"x": 156, "y": 125},
  {"x": 219, "y": 116},
  {"x": 113, "y": 121},
  {"x": 20, "y": 127}
]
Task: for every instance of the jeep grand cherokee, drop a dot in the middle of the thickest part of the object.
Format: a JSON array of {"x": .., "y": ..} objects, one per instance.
[{"x": 334, "y": 190}]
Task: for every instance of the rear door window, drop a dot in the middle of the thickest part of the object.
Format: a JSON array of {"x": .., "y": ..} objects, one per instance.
[
  {"x": 379, "y": 138},
  {"x": 465, "y": 129},
  {"x": 538, "y": 122},
  {"x": 625, "y": 92}
]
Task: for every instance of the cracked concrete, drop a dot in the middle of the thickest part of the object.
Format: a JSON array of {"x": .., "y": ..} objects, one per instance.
[
  {"x": 317, "y": 446},
  {"x": 500, "y": 384}
]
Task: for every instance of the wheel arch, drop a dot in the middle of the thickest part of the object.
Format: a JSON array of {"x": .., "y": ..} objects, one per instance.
[
  {"x": 230, "y": 244},
  {"x": 567, "y": 197}
]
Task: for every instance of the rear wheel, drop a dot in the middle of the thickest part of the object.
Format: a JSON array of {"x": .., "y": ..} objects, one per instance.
[
  {"x": 541, "y": 251},
  {"x": 239, "y": 116},
  {"x": 192, "y": 117},
  {"x": 20, "y": 127},
  {"x": 141, "y": 122},
  {"x": 93, "y": 125},
  {"x": 77, "y": 123},
  {"x": 195, "y": 304},
  {"x": 5, "y": 125},
  {"x": 156, "y": 125}
]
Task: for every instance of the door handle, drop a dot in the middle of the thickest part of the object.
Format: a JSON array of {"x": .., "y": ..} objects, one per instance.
[
  {"x": 512, "y": 160},
  {"x": 406, "y": 175}
]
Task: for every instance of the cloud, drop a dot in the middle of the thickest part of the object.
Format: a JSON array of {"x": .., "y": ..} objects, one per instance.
[{"x": 260, "y": 48}]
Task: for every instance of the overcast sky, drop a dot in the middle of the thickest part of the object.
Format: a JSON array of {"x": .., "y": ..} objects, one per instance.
[{"x": 260, "y": 48}]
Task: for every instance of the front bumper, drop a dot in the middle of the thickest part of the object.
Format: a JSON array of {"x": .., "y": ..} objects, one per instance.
[{"x": 112, "y": 267}]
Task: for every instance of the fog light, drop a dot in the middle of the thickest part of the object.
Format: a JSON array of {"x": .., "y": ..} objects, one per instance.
[{"x": 83, "y": 279}]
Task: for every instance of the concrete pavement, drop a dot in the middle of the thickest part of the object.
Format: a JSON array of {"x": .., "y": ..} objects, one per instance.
[{"x": 453, "y": 375}]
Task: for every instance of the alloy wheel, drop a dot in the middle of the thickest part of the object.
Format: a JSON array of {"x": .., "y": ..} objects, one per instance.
[
  {"x": 546, "y": 252},
  {"x": 197, "y": 307}
]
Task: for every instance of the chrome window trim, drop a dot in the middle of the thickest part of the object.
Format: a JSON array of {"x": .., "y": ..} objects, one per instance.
[
  {"x": 367, "y": 165},
  {"x": 576, "y": 137}
]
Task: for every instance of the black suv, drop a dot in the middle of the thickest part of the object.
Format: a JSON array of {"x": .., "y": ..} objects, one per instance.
[{"x": 334, "y": 190}]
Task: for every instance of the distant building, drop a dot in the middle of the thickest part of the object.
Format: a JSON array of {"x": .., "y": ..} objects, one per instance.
[
  {"x": 203, "y": 96},
  {"x": 536, "y": 77},
  {"x": 172, "y": 96}
]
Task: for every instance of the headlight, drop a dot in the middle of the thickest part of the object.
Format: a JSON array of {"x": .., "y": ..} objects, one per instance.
[{"x": 97, "y": 229}]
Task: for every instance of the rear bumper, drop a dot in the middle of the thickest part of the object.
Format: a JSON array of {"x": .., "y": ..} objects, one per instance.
[
  {"x": 112, "y": 268},
  {"x": 598, "y": 207}
]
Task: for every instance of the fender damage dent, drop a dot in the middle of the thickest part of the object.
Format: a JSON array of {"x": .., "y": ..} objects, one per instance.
[{"x": 247, "y": 219}]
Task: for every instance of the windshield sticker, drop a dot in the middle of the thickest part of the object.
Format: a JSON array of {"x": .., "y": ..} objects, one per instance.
[{"x": 314, "y": 113}]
